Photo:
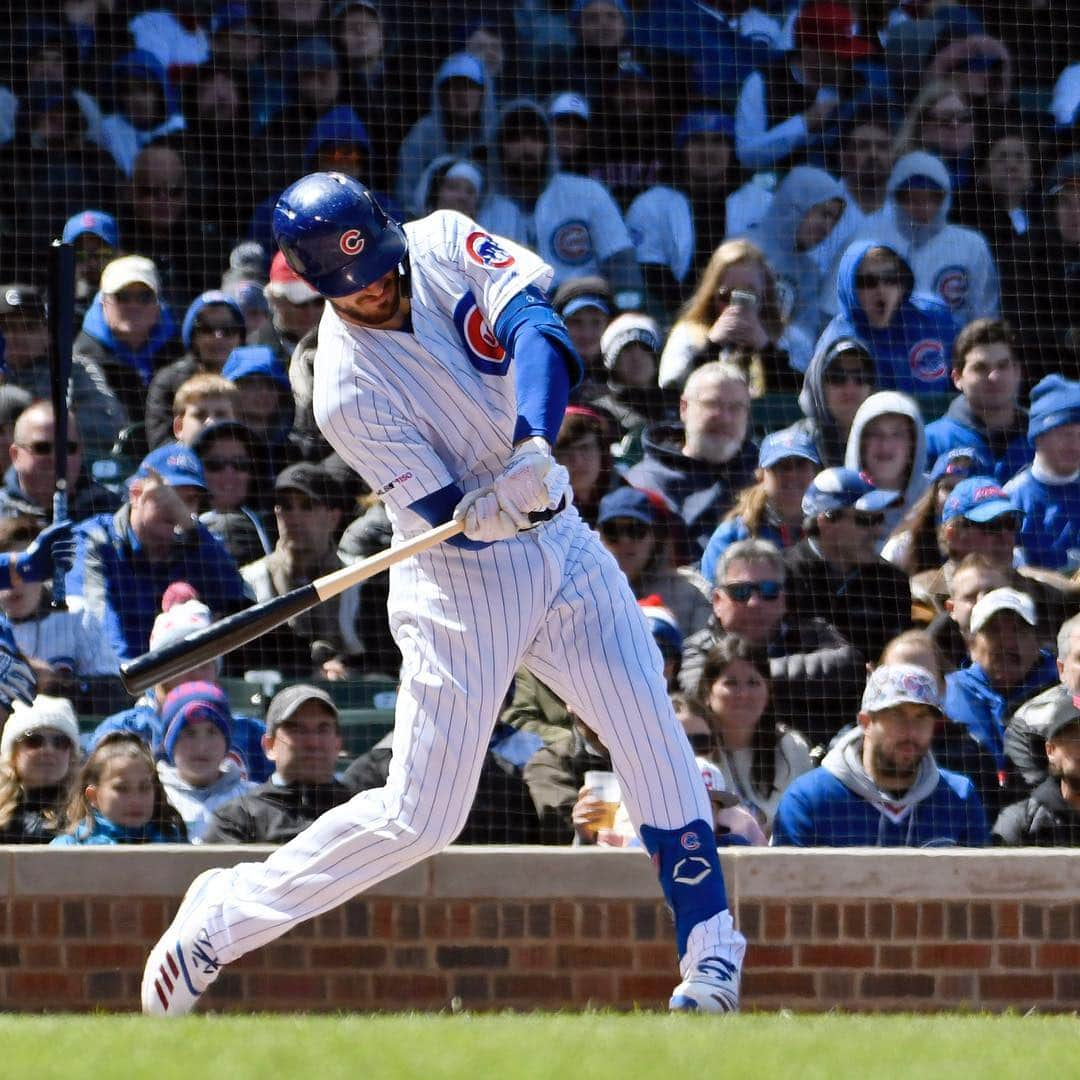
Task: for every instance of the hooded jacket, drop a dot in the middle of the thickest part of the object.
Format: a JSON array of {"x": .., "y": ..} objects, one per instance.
[
  {"x": 820, "y": 424},
  {"x": 117, "y": 134},
  {"x": 1050, "y": 533},
  {"x": 701, "y": 492},
  {"x": 428, "y": 137},
  {"x": 574, "y": 225},
  {"x": 127, "y": 371},
  {"x": 913, "y": 352},
  {"x": 799, "y": 276},
  {"x": 949, "y": 262},
  {"x": 1009, "y": 449},
  {"x": 261, "y": 360},
  {"x": 839, "y": 805},
  {"x": 890, "y": 403},
  {"x": 197, "y": 805}
]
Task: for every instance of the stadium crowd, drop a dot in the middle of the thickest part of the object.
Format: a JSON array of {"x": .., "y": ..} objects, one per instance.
[{"x": 822, "y": 266}]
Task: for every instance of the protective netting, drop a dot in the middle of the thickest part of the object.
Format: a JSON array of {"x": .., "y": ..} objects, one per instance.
[{"x": 861, "y": 224}]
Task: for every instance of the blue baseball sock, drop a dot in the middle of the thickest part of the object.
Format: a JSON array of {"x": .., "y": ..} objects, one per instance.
[{"x": 690, "y": 874}]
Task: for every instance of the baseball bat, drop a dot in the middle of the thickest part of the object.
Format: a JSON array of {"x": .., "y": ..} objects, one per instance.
[
  {"x": 61, "y": 320},
  {"x": 235, "y": 630}
]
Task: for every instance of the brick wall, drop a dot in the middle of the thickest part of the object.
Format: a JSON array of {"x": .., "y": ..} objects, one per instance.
[{"x": 555, "y": 928}]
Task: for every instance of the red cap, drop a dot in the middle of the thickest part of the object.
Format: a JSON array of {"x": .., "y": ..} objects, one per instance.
[
  {"x": 830, "y": 28},
  {"x": 287, "y": 283}
]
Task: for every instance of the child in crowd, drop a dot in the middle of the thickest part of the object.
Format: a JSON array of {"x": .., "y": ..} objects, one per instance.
[
  {"x": 197, "y": 771},
  {"x": 119, "y": 800},
  {"x": 1048, "y": 490},
  {"x": 203, "y": 399}
]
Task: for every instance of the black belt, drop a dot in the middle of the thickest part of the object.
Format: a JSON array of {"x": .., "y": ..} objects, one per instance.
[{"x": 538, "y": 517}]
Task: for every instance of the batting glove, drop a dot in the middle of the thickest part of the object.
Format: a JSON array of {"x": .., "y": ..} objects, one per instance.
[
  {"x": 522, "y": 487},
  {"x": 484, "y": 519},
  {"x": 53, "y": 549}
]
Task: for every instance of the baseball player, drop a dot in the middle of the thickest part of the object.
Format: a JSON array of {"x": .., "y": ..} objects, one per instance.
[{"x": 441, "y": 376}]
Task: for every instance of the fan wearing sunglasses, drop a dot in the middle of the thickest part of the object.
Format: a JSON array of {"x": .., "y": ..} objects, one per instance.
[
  {"x": 39, "y": 760},
  {"x": 632, "y": 528},
  {"x": 909, "y": 335},
  {"x": 836, "y": 574},
  {"x": 213, "y": 326},
  {"x": 815, "y": 674},
  {"x": 229, "y": 452}
]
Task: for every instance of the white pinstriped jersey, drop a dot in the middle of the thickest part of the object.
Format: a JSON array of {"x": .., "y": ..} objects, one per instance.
[
  {"x": 414, "y": 411},
  {"x": 72, "y": 640}
]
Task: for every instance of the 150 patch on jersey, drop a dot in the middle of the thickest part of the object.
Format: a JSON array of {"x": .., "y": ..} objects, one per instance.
[
  {"x": 484, "y": 250},
  {"x": 481, "y": 345}
]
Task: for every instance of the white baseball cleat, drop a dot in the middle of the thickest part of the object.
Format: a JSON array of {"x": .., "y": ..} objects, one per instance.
[
  {"x": 712, "y": 986},
  {"x": 184, "y": 962}
]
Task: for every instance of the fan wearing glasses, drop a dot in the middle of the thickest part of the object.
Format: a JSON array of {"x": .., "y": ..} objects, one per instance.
[
  {"x": 30, "y": 482},
  {"x": 836, "y": 573},
  {"x": 909, "y": 335},
  {"x": 39, "y": 761},
  {"x": 816, "y": 675},
  {"x": 229, "y": 453},
  {"x": 633, "y": 530},
  {"x": 213, "y": 326}
]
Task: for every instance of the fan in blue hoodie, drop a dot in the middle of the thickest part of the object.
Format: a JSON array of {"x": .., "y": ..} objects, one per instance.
[
  {"x": 910, "y": 336},
  {"x": 267, "y": 406},
  {"x": 1048, "y": 491}
]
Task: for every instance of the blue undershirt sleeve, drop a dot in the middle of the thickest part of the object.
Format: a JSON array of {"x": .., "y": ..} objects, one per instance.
[
  {"x": 546, "y": 365},
  {"x": 438, "y": 507}
]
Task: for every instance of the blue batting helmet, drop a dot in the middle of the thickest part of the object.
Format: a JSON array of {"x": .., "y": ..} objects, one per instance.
[{"x": 335, "y": 235}]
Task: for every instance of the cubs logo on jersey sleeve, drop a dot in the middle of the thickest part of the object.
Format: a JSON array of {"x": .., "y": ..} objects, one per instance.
[
  {"x": 485, "y": 250},
  {"x": 572, "y": 243},
  {"x": 951, "y": 284},
  {"x": 927, "y": 360},
  {"x": 481, "y": 345}
]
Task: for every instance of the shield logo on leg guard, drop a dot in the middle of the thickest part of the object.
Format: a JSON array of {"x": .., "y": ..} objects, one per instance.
[{"x": 692, "y": 870}]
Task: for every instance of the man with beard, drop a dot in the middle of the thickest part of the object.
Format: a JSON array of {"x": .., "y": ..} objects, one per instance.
[
  {"x": 879, "y": 785},
  {"x": 1050, "y": 815},
  {"x": 700, "y": 464},
  {"x": 569, "y": 220}
]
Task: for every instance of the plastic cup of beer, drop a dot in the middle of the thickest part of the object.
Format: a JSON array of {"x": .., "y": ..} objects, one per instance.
[{"x": 604, "y": 787}]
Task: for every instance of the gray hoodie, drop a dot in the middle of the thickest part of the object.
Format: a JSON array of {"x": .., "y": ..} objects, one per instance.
[
  {"x": 844, "y": 761},
  {"x": 798, "y": 274},
  {"x": 880, "y": 404}
]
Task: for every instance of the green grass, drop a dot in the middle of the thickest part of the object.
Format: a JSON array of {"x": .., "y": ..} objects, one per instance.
[{"x": 585, "y": 1046}]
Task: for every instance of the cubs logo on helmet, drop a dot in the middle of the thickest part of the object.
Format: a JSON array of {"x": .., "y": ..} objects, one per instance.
[
  {"x": 927, "y": 360},
  {"x": 351, "y": 242},
  {"x": 484, "y": 250},
  {"x": 481, "y": 346},
  {"x": 951, "y": 285},
  {"x": 572, "y": 242}
]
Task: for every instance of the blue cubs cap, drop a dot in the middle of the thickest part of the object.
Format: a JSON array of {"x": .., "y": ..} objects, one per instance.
[
  {"x": 189, "y": 702},
  {"x": 844, "y": 489},
  {"x": 176, "y": 464},
  {"x": 962, "y": 461},
  {"x": 789, "y": 443},
  {"x": 979, "y": 499},
  {"x": 1055, "y": 402},
  {"x": 627, "y": 502},
  {"x": 704, "y": 123},
  {"x": 99, "y": 223}
]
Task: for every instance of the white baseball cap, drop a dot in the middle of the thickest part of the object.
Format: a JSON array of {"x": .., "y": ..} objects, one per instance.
[
  {"x": 1004, "y": 599},
  {"x": 569, "y": 104},
  {"x": 130, "y": 270}
]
